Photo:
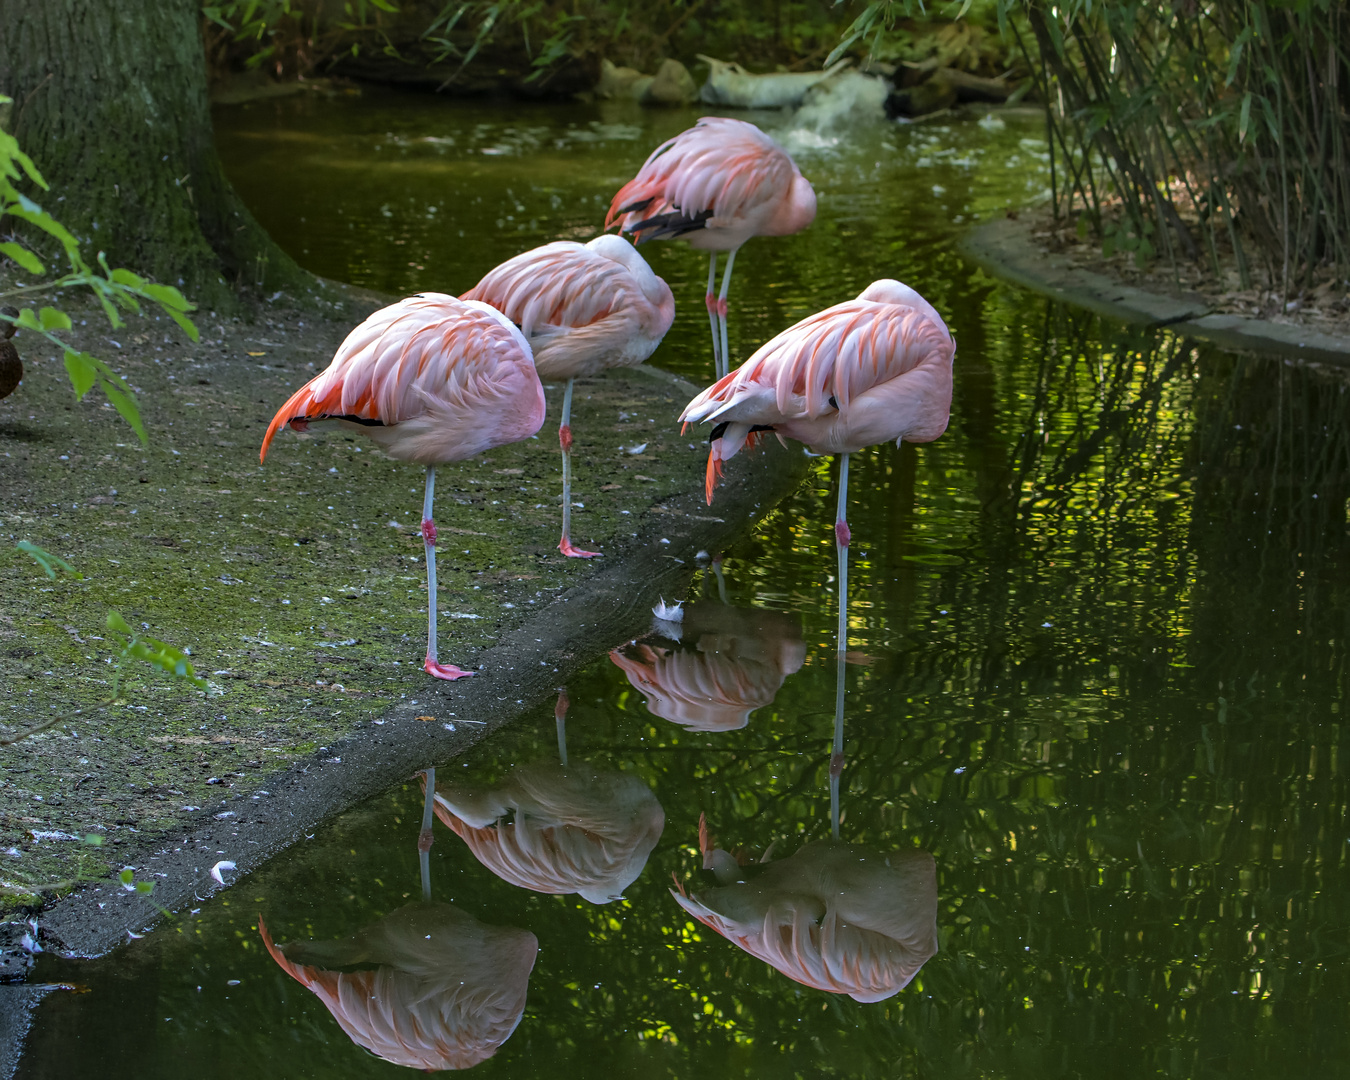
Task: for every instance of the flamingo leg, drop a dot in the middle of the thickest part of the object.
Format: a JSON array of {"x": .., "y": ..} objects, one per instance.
[
  {"x": 560, "y": 718},
  {"x": 841, "y": 539},
  {"x": 722, "y": 313},
  {"x": 565, "y": 441},
  {"x": 710, "y": 301},
  {"x": 424, "y": 838},
  {"x": 430, "y": 666}
]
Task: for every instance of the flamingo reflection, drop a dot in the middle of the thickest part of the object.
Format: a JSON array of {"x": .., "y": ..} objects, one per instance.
[
  {"x": 734, "y": 661},
  {"x": 834, "y": 916},
  {"x": 436, "y": 989},
  {"x": 565, "y": 828}
]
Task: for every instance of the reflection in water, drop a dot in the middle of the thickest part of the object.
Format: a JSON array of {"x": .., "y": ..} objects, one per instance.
[
  {"x": 733, "y": 661},
  {"x": 436, "y": 988},
  {"x": 833, "y": 916},
  {"x": 573, "y": 829}
]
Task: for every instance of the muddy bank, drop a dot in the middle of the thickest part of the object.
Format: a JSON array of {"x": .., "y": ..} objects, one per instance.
[
  {"x": 300, "y": 590},
  {"x": 1021, "y": 249}
]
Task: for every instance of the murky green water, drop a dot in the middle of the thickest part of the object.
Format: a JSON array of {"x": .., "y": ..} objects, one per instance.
[{"x": 1104, "y": 624}]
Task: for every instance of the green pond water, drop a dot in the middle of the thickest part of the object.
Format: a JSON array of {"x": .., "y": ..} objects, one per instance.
[{"x": 1100, "y": 636}]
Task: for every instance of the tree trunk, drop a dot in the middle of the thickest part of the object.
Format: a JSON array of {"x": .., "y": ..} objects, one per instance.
[{"x": 110, "y": 103}]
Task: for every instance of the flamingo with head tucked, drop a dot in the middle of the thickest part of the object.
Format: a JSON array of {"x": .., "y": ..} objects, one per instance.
[
  {"x": 871, "y": 370},
  {"x": 715, "y": 186},
  {"x": 583, "y": 308},
  {"x": 431, "y": 379}
]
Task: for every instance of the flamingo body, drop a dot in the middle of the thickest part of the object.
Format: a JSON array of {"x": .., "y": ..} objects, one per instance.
[
  {"x": 833, "y": 916},
  {"x": 572, "y": 829},
  {"x": 438, "y": 989},
  {"x": 715, "y": 186},
  {"x": 430, "y": 379},
  {"x": 582, "y": 307},
  {"x": 875, "y": 369}
]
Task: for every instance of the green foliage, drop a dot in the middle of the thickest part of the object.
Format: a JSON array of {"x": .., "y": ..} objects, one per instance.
[
  {"x": 135, "y": 646},
  {"x": 1202, "y": 127},
  {"x": 117, "y": 290},
  {"x": 50, "y": 563}
]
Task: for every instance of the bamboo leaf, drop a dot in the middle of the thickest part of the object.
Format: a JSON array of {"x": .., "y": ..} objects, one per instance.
[{"x": 49, "y": 562}]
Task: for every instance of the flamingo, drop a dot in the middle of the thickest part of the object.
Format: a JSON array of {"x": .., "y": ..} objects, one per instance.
[
  {"x": 870, "y": 370},
  {"x": 834, "y": 916},
  {"x": 436, "y": 989},
  {"x": 715, "y": 186},
  {"x": 573, "y": 829},
  {"x": 740, "y": 658},
  {"x": 583, "y": 308},
  {"x": 431, "y": 379}
]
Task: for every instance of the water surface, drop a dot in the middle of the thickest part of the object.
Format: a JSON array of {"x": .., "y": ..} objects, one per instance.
[{"x": 1100, "y": 639}]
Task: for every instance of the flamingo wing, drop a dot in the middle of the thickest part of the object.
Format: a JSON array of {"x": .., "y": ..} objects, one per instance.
[
  {"x": 562, "y": 284},
  {"x": 431, "y": 357}
]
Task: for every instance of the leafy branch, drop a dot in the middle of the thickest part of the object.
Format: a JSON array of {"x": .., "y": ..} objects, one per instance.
[{"x": 117, "y": 290}]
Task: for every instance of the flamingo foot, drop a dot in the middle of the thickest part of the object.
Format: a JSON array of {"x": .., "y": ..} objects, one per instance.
[
  {"x": 424, "y": 839},
  {"x": 444, "y": 671},
  {"x": 841, "y": 533},
  {"x": 567, "y": 548}
]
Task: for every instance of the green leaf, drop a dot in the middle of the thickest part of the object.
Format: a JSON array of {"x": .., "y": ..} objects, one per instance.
[
  {"x": 116, "y": 623},
  {"x": 28, "y": 321},
  {"x": 1244, "y": 118},
  {"x": 125, "y": 404},
  {"x": 83, "y": 371},
  {"x": 54, "y": 319},
  {"x": 47, "y": 560},
  {"x": 92, "y": 840},
  {"x": 23, "y": 257},
  {"x": 125, "y": 877}
]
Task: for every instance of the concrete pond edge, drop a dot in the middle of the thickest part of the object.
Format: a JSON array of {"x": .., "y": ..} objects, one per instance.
[
  {"x": 1006, "y": 248},
  {"x": 524, "y": 669}
]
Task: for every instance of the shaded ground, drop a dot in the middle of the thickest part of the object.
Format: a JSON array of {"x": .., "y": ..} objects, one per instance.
[{"x": 298, "y": 585}]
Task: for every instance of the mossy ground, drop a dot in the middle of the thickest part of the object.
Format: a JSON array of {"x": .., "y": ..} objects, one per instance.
[{"x": 298, "y": 585}]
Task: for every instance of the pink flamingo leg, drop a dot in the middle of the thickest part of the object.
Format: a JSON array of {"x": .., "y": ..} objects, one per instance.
[
  {"x": 710, "y": 302},
  {"x": 841, "y": 539},
  {"x": 430, "y": 666},
  {"x": 560, "y": 719},
  {"x": 722, "y": 314},
  {"x": 565, "y": 441},
  {"x": 424, "y": 838}
]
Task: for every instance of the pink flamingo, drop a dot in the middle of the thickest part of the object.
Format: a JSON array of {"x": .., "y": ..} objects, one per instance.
[
  {"x": 715, "y": 185},
  {"x": 862, "y": 372},
  {"x": 557, "y": 829},
  {"x": 739, "y": 660},
  {"x": 431, "y": 379},
  {"x": 436, "y": 989},
  {"x": 834, "y": 916},
  {"x": 583, "y": 308}
]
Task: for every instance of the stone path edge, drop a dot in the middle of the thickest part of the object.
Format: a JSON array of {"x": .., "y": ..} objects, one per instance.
[
  {"x": 1006, "y": 248},
  {"x": 524, "y": 669}
]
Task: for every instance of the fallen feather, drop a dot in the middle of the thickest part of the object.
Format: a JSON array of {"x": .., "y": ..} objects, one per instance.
[{"x": 220, "y": 866}]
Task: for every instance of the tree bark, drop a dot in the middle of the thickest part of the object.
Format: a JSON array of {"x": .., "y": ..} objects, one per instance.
[{"x": 110, "y": 102}]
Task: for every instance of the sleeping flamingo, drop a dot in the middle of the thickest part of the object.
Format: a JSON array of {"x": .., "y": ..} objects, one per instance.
[
  {"x": 715, "y": 185},
  {"x": 435, "y": 989},
  {"x": 834, "y": 916},
  {"x": 735, "y": 663},
  {"x": 870, "y": 370},
  {"x": 431, "y": 379},
  {"x": 557, "y": 829},
  {"x": 583, "y": 308}
]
